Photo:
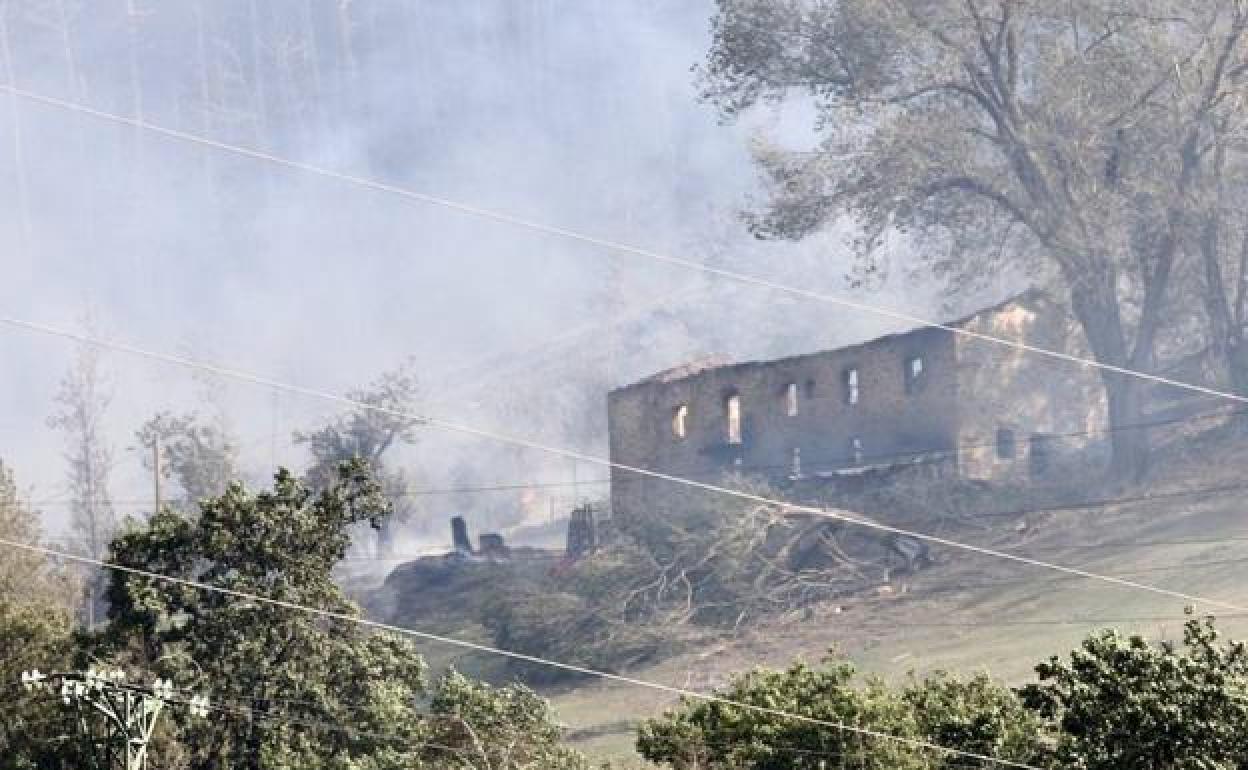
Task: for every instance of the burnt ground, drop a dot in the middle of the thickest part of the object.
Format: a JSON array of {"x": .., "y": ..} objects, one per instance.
[{"x": 1184, "y": 528}]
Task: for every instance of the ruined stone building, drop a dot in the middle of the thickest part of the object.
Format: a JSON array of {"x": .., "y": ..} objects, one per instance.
[{"x": 964, "y": 406}]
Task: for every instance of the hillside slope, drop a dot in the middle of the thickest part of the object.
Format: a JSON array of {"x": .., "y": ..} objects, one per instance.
[{"x": 1184, "y": 528}]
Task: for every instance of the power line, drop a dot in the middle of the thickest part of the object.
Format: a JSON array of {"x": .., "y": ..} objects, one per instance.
[
  {"x": 545, "y": 346},
  {"x": 271, "y": 716},
  {"x": 1041, "y": 622},
  {"x": 268, "y": 717},
  {"x": 239, "y": 710},
  {"x": 719, "y": 471},
  {"x": 248, "y": 711},
  {"x": 483, "y": 648},
  {"x": 593, "y": 459},
  {"x": 339, "y": 616},
  {"x": 605, "y": 243},
  {"x": 520, "y": 486},
  {"x": 749, "y": 279},
  {"x": 1137, "y": 571},
  {"x": 1113, "y": 501},
  {"x": 1017, "y": 512}
]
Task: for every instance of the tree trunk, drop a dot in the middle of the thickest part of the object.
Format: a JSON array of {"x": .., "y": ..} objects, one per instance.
[
  {"x": 1128, "y": 436},
  {"x": 1095, "y": 304},
  {"x": 1217, "y": 303},
  {"x": 1226, "y": 308}
]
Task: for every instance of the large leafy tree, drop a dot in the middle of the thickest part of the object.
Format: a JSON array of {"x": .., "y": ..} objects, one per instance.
[
  {"x": 976, "y": 715},
  {"x": 82, "y": 402},
  {"x": 1216, "y": 271},
  {"x": 36, "y": 602},
  {"x": 1065, "y": 141},
  {"x": 475, "y": 726},
  {"x": 34, "y": 733},
  {"x": 289, "y": 688},
  {"x": 369, "y": 432},
  {"x": 714, "y": 734},
  {"x": 1116, "y": 702},
  {"x": 198, "y": 454},
  {"x": 973, "y": 715},
  {"x": 1120, "y": 702},
  {"x": 287, "y": 677}
]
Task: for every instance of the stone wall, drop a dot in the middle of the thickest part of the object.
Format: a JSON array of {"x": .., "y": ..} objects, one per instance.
[
  {"x": 1025, "y": 415},
  {"x": 979, "y": 410},
  {"x": 895, "y": 418}
]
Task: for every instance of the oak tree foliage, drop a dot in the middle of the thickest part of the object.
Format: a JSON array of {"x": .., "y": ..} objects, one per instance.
[
  {"x": 196, "y": 453},
  {"x": 1082, "y": 145},
  {"x": 1116, "y": 703},
  {"x": 292, "y": 688},
  {"x": 975, "y": 715},
  {"x": 291, "y": 675},
  {"x": 1119, "y": 702},
  {"x": 37, "y": 600},
  {"x": 382, "y": 419}
]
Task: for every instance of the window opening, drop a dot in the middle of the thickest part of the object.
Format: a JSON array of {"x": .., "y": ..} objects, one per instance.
[
  {"x": 790, "y": 399},
  {"x": 851, "y": 386},
  {"x": 914, "y": 373},
  {"x": 680, "y": 421},
  {"x": 732, "y": 409},
  {"x": 855, "y": 450},
  {"x": 1006, "y": 445},
  {"x": 796, "y": 466},
  {"x": 1038, "y": 453}
]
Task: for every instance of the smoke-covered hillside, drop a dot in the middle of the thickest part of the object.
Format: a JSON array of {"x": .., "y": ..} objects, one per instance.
[{"x": 578, "y": 114}]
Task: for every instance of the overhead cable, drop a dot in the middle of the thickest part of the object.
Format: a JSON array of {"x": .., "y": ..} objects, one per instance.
[
  {"x": 601, "y": 242},
  {"x": 913, "y": 743},
  {"x": 490, "y": 435}
]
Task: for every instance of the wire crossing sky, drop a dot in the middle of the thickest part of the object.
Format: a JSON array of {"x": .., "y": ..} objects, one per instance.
[
  {"x": 512, "y": 486},
  {"x": 604, "y": 243},
  {"x": 680, "y": 691},
  {"x": 474, "y": 208},
  {"x": 470, "y": 430}
]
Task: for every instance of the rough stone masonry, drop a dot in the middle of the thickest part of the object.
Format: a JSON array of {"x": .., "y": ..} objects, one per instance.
[{"x": 977, "y": 409}]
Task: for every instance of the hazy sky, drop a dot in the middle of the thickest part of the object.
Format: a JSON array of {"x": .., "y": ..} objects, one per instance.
[{"x": 576, "y": 113}]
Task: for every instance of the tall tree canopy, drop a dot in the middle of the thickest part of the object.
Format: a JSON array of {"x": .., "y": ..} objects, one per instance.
[
  {"x": 288, "y": 688},
  {"x": 1071, "y": 142},
  {"x": 282, "y": 669},
  {"x": 974, "y": 715},
  {"x": 1116, "y": 702},
  {"x": 198, "y": 454},
  {"x": 81, "y": 404},
  {"x": 36, "y": 604},
  {"x": 367, "y": 433}
]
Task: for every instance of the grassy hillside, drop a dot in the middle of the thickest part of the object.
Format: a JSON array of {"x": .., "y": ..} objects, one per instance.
[
  {"x": 972, "y": 612},
  {"x": 1182, "y": 528}
]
